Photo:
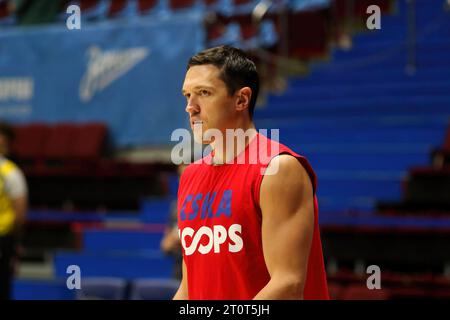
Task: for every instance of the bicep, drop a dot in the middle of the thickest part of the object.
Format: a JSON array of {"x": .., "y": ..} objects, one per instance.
[{"x": 287, "y": 205}]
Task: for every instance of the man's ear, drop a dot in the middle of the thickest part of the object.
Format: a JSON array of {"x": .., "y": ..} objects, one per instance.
[{"x": 243, "y": 98}]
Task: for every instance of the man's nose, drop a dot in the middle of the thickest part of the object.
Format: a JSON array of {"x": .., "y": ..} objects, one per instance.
[{"x": 192, "y": 107}]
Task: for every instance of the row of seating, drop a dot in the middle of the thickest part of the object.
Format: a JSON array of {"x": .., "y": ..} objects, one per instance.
[
  {"x": 129, "y": 265},
  {"x": 118, "y": 8},
  {"x": 347, "y": 285},
  {"x": 96, "y": 288},
  {"x": 110, "y": 9},
  {"x": 361, "y": 292},
  {"x": 233, "y": 24},
  {"x": 36, "y": 142},
  {"x": 68, "y": 164},
  {"x": 100, "y": 191},
  {"x": 101, "y": 9},
  {"x": 243, "y": 33},
  {"x": 363, "y": 121},
  {"x": 120, "y": 289},
  {"x": 65, "y": 150},
  {"x": 116, "y": 288},
  {"x": 426, "y": 188},
  {"x": 123, "y": 263},
  {"x": 98, "y": 232}
]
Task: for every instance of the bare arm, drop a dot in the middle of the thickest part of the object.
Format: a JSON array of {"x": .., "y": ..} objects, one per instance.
[
  {"x": 287, "y": 205},
  {"x": 19, "y": 206},
  {"x": 170, "y": 242},
  {"x": 182, "y": 293}
]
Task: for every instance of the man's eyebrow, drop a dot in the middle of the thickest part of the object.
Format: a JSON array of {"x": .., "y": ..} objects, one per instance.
[
  {"x": 204, "y": 87},
  {"x": 198, "y": 87}
]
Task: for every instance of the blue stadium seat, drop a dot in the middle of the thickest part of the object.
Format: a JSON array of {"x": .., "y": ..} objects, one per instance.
[
  {"x": 105, "y": 240},
  {"x": 102, "y": 288},
  {"x": 34, "y": 289},
  {"x": 301, "y": 5},
  {"x": 156, "y": 210},
  {"x": 153, "y": 289},
  {"x": 363, "y": 121},
  {"x": 126, "y": 265},
  {"x": 230, "y": 8},
  {"x": 268, "y": 35}
]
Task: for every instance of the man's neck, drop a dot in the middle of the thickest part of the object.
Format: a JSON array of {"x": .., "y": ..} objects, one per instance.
[{"x": 234, "y": 142}]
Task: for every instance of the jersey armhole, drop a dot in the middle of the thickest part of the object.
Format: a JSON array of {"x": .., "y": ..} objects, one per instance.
[{"x": 303, "y": 161}]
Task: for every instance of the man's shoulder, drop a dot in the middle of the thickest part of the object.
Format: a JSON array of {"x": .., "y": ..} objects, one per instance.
[
  {"x": 288, "y": 165},
  {"x": 272, "y": 146}
]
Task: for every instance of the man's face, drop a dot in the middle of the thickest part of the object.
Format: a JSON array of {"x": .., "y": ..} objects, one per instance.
[{"x": 208, "y": 103}]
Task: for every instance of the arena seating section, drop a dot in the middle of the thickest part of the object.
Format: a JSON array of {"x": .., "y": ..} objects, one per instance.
[
  {"x": 376, "y": 132},
  {"x": 77, "y": 157}
]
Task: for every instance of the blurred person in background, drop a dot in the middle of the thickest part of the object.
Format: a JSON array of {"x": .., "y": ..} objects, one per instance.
[
  {"x": 13, "y": 206},
  {"x": 170, "y": 243}
]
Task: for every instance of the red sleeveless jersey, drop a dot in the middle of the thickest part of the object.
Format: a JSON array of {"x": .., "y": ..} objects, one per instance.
[{"x": 219, "y": 221}]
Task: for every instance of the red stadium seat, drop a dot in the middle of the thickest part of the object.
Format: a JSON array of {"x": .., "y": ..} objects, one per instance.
[
  {"x": 441, "y": 294},
  {"x": 361, "y": 292},
  {"x": 57, "y": 145},
  {"x": 240, "y": 2},
  {"x": 4, "y": 12},
  {"x": 313, "y": 42},
  {"x": 88, "y": 4},
  {"x": 215, "y": 31},
  {"x": 116, "y": 7},
  {"x": 58, "y": 149},
  {"x": 410, "y": 293},
  {"x": 446, "y": 145},
  {"x": 29, "y": 141},
  {"x": 358, "y": 8},
  {"x": 181, "y": 4},
  {"x": 441, "y": 281},
  {"x": 248, "y": 29},
  {"x": 88, "y": 141},
  {"x": 146, "y": 5},
  {"x": 210, "y": 2}
]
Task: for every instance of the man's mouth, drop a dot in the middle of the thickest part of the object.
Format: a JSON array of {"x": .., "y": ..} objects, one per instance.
[{"x": 196, "y": 122}]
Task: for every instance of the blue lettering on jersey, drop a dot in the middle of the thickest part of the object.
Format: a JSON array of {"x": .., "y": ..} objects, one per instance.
[
  {"x": 207, "y": 205},
  {"x": 195, "y": 206},
  {"x": 183, "y": 208},
  {"x": 197, "y": 201},
  {"x": 225, "y": 205}
]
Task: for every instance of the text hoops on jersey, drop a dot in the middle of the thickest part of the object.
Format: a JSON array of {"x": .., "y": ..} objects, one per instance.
[{"x": 216, "y": 236}]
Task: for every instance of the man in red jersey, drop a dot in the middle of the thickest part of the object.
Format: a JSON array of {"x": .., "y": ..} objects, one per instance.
[{"x": 248, "y": 225}]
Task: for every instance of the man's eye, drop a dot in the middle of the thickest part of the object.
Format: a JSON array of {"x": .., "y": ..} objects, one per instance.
[{"x": 204, "y": 93}]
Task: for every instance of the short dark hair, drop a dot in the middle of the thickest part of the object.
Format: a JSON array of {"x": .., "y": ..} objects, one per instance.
[
  {"x": 236, "y": 69},
  {"x": 7, "y": 131}
]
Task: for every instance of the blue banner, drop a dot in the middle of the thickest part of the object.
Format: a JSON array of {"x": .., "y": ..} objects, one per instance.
[{"x": 126, "y": 74}]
